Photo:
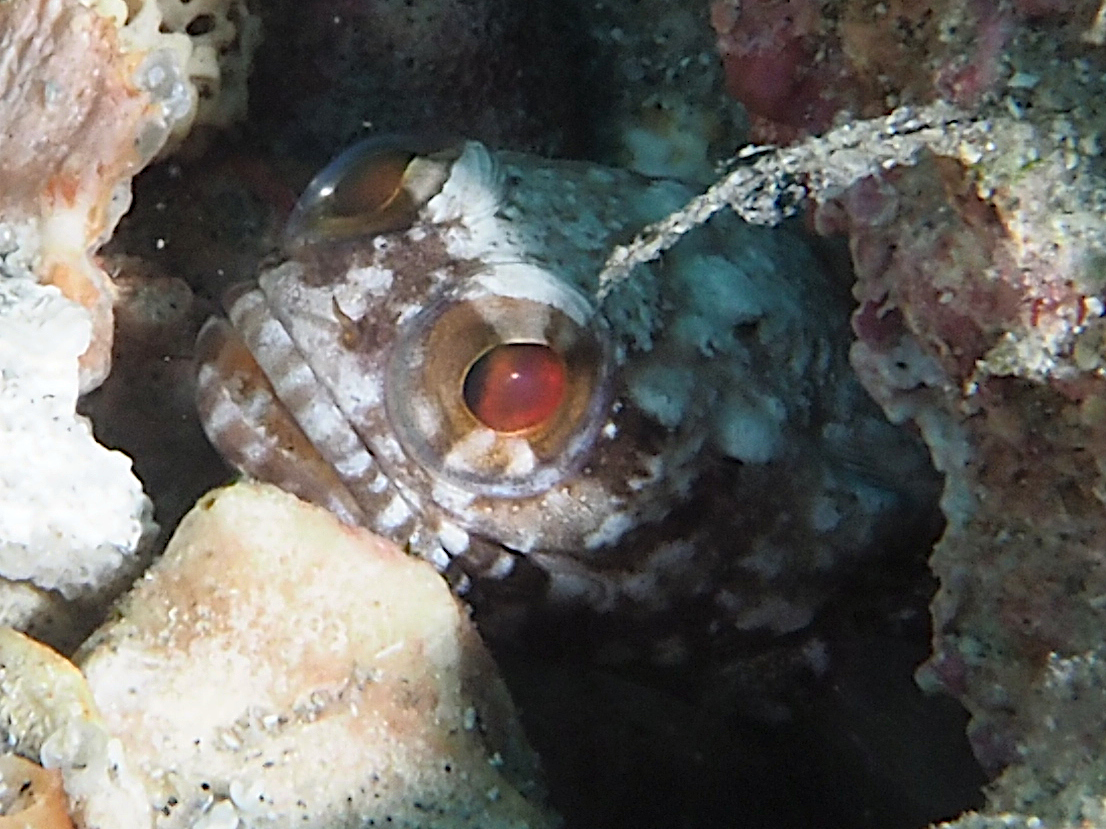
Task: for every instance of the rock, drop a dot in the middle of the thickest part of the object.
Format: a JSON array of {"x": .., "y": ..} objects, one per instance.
[
  {"x": 62, "y": 549},
  {"x": 280, "y": 669},
  {"x": 32, "y": 797},
  {"x": 48, "y": 715}
]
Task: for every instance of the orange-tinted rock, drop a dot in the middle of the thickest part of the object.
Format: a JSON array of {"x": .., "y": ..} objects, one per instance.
[
  {"x": 283, "y": 668},
  {"x": 72, "y": 115}
]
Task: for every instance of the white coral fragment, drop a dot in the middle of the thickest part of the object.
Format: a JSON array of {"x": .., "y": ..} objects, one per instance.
[
  {"x": 213, "y": 40},
  {"x": 72, "y": 514}
]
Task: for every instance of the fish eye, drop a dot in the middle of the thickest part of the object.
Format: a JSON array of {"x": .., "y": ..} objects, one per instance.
[
  {"x": 375, "y": 186},
  {"x": 501, "y": 385},
  {"x": 515, "y": 386}
]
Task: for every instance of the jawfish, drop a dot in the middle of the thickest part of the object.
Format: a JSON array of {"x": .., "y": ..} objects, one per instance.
[{"x": 430, "y": 360}]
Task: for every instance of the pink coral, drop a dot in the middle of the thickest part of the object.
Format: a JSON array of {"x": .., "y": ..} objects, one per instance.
[
  {"x": 800, "y": 65},
  {"x": 72, "y": 114},
  {"x": 775, "y": 65},
  {"x": 970, "y": 322}
]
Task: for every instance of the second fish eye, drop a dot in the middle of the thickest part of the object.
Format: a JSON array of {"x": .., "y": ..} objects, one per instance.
[{"x": 374, "y": 187}]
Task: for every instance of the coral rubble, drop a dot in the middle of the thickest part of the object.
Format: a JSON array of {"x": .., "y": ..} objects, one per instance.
[
  {"x": 57, "y": 545},
  {"x": 71, "y": 114},
  {"x": 33, "y": 796},
  {"x": 89, "y": 93},
  {"x": 278, "y": 668},
  {"x": 958, "y": 150}
]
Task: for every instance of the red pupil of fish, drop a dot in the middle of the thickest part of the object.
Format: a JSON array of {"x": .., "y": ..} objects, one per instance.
[{"x": 516, "y": 386}]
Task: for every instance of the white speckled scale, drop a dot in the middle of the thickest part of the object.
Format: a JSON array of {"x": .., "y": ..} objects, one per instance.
[{"x": 699, "y": 442}]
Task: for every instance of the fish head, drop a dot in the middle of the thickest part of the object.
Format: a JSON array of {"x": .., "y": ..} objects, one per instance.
[{"x": 431, "y": 359}]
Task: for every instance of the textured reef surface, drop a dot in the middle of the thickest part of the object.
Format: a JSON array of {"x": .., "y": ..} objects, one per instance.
[
  {"x": 979, "y": 278},
  {"x": 708, "y": 478}
]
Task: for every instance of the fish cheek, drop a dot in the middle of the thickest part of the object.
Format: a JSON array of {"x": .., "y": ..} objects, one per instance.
[{"x": 244, "y": 419}]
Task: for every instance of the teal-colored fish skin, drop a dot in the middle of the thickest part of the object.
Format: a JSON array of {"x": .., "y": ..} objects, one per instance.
[{"x": 733, "y": 471}]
